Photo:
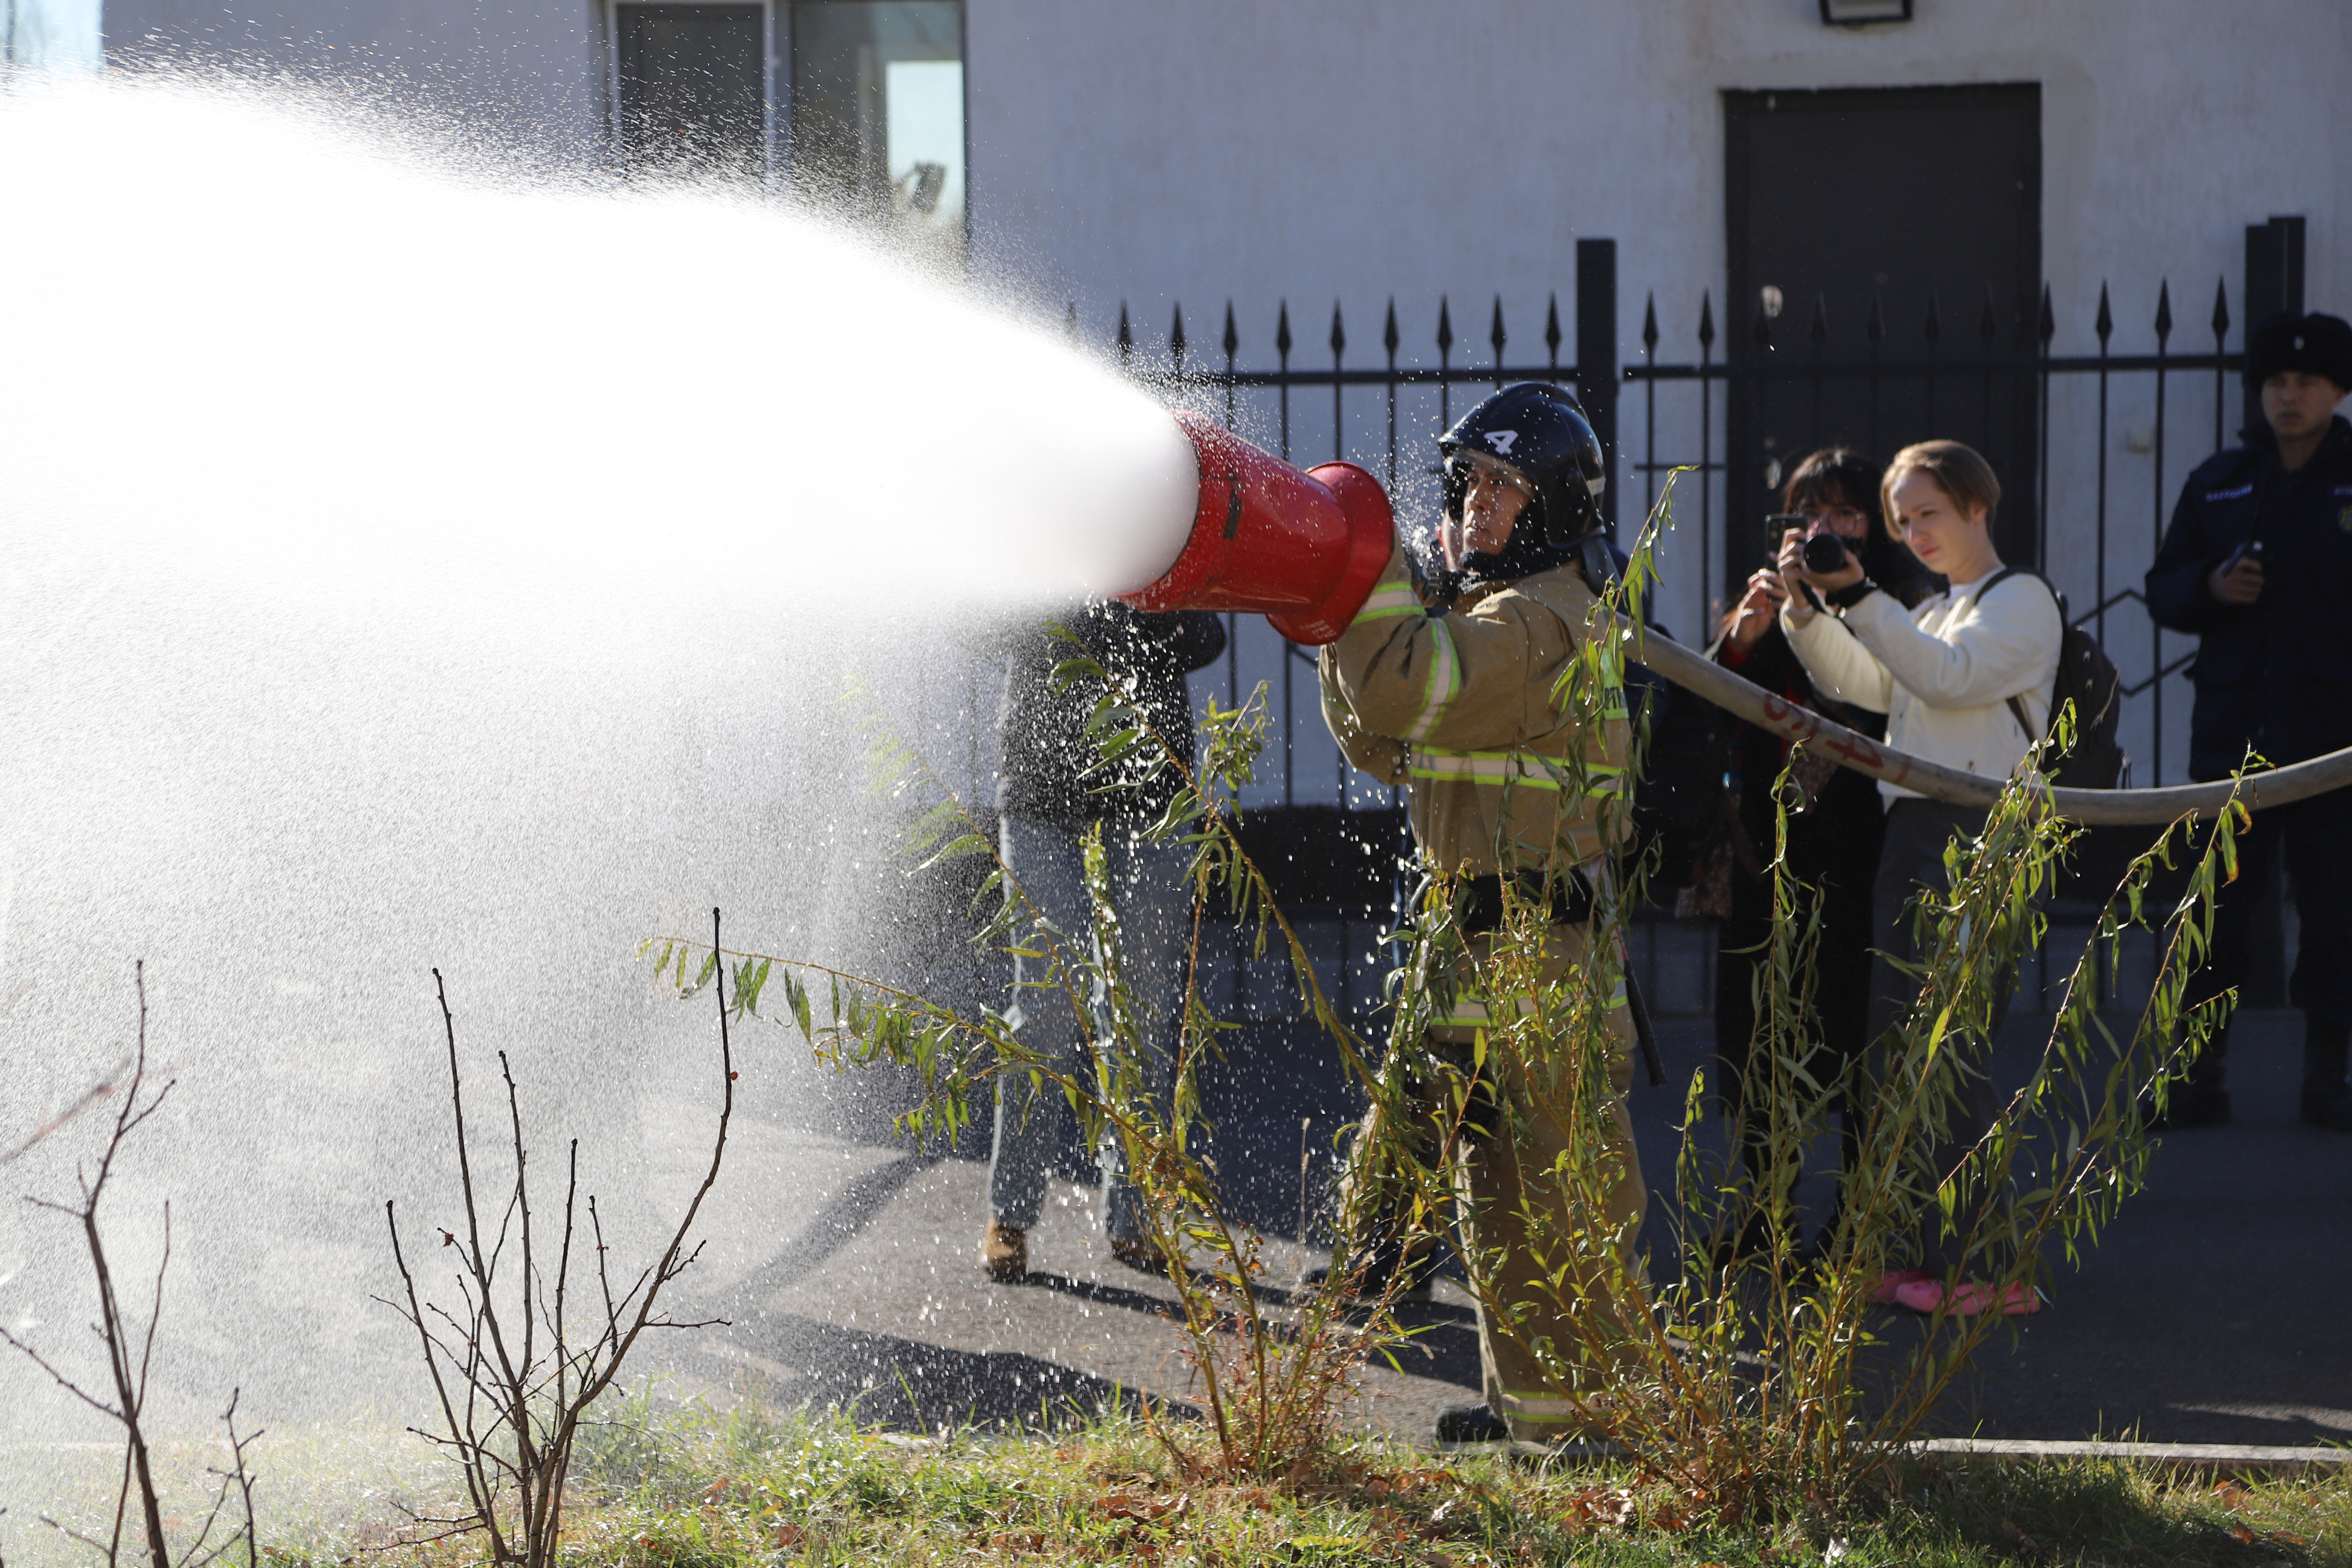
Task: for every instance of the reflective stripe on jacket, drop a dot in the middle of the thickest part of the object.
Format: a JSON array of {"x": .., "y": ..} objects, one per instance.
[{"x": 1458, "y": 707}]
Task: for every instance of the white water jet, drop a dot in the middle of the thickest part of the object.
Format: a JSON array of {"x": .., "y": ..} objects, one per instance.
[{"x": 402, "y": 568}]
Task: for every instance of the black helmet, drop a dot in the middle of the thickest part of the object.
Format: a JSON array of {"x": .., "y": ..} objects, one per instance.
[{"x": 1540, "y": 430}]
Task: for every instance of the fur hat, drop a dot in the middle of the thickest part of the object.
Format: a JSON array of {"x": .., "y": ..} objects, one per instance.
[{"x": 2316, "y": 345}]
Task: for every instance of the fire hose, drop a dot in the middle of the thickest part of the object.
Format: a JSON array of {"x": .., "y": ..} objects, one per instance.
[
  {"x": 2095, "y": 808},
  {"x": 1304, "y": 549}
]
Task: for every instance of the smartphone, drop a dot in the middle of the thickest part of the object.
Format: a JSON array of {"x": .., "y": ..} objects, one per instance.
[
  {"x": 2252, "y": 549},
  {"x": 1779, "y": 526}
]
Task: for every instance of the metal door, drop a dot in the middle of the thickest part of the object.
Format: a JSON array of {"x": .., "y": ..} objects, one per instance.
[{"x": 1875, "y": 234}]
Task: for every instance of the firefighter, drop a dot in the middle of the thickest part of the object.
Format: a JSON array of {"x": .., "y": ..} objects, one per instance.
[{"x": 1450, "y": 687}]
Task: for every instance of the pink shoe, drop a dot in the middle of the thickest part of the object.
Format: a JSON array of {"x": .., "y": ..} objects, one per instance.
[
  {"x": 1925, "y": 1295},
  {"x": 1889, "y": 1285}
]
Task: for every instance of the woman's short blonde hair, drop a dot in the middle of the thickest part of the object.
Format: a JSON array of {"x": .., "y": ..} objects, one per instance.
[{"x": 1958, "y": 470}]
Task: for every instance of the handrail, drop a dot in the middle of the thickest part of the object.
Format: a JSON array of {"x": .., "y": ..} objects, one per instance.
[{"x": 2096, "y": 807}]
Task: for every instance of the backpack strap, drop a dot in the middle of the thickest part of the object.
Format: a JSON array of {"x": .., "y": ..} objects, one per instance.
[
  {"x": 2017, "y": 707},
  {"x": 2016, "y": 711},
  {"x": 2005, "y": 572}
]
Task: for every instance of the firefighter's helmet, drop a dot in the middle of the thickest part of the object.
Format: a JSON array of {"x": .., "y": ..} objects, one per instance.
[{"x": 1540, "y": 430}]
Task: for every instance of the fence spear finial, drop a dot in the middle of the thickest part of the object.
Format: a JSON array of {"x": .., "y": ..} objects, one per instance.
[
  {"x": 1338, "y": 335},
  {"x": 1495, "y": 333},
  {"x": 1551, "y": 329},
  {"x": 1282, "y": 338},
  {"x": 1126, "y": 335},
  {"x": 1933, "y": 328},
  {"x": 1176, "y": 337},
  {"x": 2106, "y": 323},
  {"x": 1388, "y": 338},
  {"x": 1233, "y": 339},
  {"x": 1444, "y": 328},
  {"x": 1650, "y": 325},
  {"x": 2163, "y": 312},
  {"x": 2221, "y": 312},
  {"x": 2045, "y": 325},
  {"x": 1706, "y": 321}
]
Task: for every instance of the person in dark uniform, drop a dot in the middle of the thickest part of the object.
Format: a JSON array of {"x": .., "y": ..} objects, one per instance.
[
  {"x": 2258, "y": 563},
  {"x": 1836, "y": 827},
  {"x": 1050, "y": 791}
]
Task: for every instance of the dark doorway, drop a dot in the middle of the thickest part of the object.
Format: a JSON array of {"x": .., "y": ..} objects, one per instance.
[
  {"x": 692, "y": 86},
  {"x": 1875, "y": 234}
]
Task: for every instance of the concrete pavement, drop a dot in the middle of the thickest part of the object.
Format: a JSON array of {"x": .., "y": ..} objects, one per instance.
[{"x": 2214, "y": 1310}]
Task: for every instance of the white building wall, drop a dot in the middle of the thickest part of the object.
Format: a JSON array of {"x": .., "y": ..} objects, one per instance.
[
  {"x": 1143, "y": 149},
  {"x": 534, "y": 67}
]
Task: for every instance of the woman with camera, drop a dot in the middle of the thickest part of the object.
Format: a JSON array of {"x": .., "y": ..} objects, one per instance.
[
  {"x": 1965, "y": 680},
  {"x": 1834, "y": 819}
]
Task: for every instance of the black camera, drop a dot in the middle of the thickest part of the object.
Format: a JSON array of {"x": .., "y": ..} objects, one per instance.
[{"x": 1824, "y": 553}]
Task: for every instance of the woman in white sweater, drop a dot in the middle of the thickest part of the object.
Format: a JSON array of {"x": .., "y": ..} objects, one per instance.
[{"x": 1965, "y": 680}]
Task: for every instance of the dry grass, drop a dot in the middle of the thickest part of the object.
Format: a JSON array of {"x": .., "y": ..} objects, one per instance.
[{"x": 751, "y": 1487}]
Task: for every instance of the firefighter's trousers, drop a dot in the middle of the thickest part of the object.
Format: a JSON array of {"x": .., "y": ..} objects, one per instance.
[{"x": 1557, "y": 1269}]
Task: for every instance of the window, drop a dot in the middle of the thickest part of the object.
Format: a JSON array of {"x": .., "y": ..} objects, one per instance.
[
  {"x": 58, "y": 34},
  {"x": 878, "y": 111},
  {"x": 874, "y": 119}
]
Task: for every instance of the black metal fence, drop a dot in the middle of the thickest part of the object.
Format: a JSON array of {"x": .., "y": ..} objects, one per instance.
[
  {"x": 2092, "y": 424},
  {"x": 2024, "y": 410}
]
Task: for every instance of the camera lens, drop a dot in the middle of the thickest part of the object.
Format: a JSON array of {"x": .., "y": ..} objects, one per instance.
[{"x": 1824, "y": 552}]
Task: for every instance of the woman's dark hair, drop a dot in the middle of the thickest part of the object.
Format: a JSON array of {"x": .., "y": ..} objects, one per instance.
[
  {"x": 1834, "y": 476},
  {"x": 1840, "y": 475}
]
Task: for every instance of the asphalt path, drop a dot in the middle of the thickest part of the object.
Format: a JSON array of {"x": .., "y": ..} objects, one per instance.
[{"x": 2214, "y": 1309}]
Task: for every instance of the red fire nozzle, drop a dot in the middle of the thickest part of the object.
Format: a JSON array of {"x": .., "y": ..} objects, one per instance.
[{"x": 1301, "y": 549}]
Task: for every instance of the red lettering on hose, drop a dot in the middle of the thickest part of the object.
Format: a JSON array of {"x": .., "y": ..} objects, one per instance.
[
  {"x": 1855, "y": 748},
  {"x": 1797, "y": 723},
  {"x": 1803, "y": 724}
]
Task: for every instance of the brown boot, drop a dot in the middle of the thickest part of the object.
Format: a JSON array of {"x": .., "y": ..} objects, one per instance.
[{"x": 1004, "y": 1252}]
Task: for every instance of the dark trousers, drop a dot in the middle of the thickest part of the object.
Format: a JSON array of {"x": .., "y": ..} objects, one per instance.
[
  {"x": 2315, "y": 837},
  {"x": 1834, "y": 851},
  {"x": 1913, "y": 856}
]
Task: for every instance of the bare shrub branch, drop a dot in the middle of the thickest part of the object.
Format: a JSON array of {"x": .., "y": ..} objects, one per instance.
[
  {"x": 513, "y": 1372},
  {"x": 129, "y": 1350}
]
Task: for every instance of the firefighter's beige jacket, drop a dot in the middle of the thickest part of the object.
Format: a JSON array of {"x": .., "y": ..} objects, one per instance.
[{"x": 1459, "y": 707}]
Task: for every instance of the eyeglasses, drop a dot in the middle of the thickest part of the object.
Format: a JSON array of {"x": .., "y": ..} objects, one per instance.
[{"x": 1833, "y": 515}]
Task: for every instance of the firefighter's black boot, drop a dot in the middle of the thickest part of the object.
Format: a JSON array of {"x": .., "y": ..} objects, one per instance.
[{"x": 1471, "y": 1423}]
